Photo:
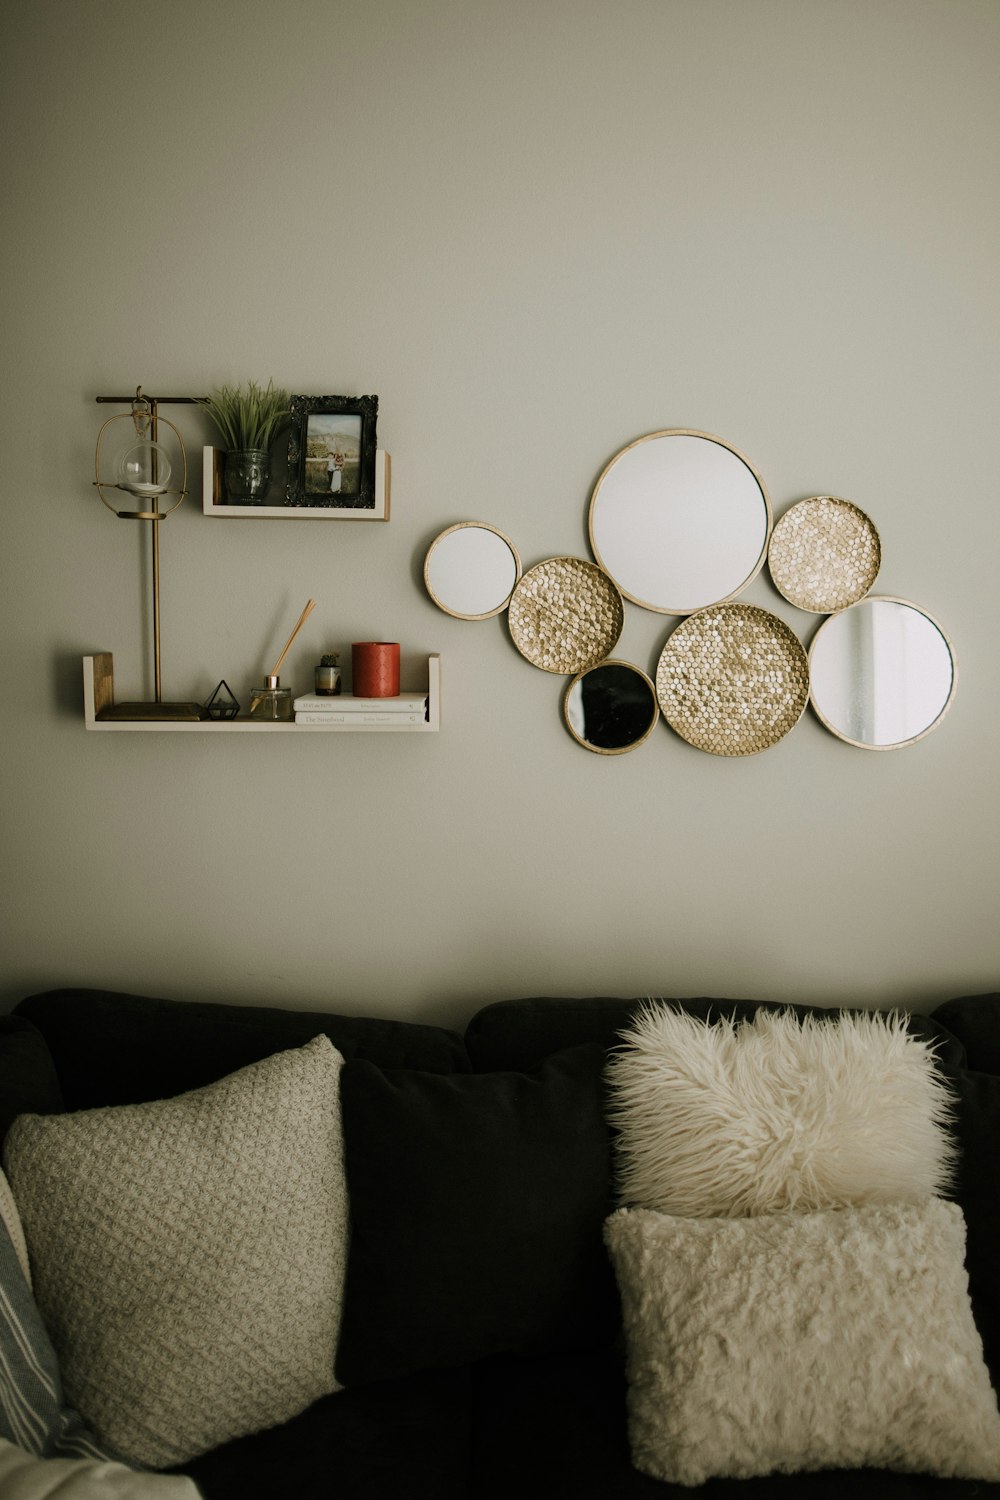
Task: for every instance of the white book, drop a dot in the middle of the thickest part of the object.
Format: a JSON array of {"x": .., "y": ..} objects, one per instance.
[
  {"x": 313, "y": 703},
  {"x": 392, "y": 720}
]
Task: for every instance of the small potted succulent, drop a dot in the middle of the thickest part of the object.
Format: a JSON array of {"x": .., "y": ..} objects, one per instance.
[
  {"x": 328, "y": 674},
  {"x": 249, "y": 419}
]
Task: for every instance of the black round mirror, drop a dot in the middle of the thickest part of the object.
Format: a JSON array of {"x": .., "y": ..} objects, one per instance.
[{"x": 611, "y": 707}]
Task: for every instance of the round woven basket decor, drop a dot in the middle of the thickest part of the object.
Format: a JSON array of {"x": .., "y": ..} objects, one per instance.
[
  {"x": 824, "y": 554},
  {"x": 565, "y": 615},
  {"x": 732, "y": 679}
]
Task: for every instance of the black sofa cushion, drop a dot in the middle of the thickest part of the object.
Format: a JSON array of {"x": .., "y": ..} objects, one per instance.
[
  {"x": 398, "y": 1440},
  {"x": 975, "y": 1021},
  {"x": 112, "y": 1048},
  {"x": 519, "y": 1033},
  {"x": 477, "y": 1204},
  {"x": 29, "y": 1083},
  {"x": 555, "y": 1427}
]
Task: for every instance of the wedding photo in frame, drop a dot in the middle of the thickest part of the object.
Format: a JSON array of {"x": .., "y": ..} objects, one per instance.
[{"x": 332, "y": 457}]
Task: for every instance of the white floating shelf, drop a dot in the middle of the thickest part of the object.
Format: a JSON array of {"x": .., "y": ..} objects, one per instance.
[
  {"x": 99, "y": 696},
  {"x": 213, "y": 501}
]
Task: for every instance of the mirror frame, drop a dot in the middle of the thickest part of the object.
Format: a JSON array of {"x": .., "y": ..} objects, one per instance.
[
  {"x": 612, "y": 661},
  {"x": 840, "y": 615},
  {"x": 478, "y": 526},
  {"x": 709, "y": 437}
]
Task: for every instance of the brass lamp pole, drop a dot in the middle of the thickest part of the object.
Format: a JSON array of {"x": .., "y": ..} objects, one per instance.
[{"x": 143, "y": 470}]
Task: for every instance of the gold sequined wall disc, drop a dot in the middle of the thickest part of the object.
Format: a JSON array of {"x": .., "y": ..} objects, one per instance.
[
  {"x": 824, "y": 554},
  {"x": 732, "y": 679},
  {"x": 565, "y": 615}
]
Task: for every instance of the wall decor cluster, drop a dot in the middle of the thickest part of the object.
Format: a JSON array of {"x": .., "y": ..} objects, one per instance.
[{"x": 680, "y": 523}]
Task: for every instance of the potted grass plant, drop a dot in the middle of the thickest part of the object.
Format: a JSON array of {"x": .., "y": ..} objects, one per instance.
[{"x": 249, "y": 419}]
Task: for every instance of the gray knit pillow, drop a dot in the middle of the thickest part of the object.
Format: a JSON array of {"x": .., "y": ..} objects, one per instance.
[{"x": 189, "y": 1254}]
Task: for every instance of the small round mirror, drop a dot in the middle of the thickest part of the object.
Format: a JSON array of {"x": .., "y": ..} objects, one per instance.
[
  {"x": 882, "y": 673},
  {"x": 611, "y": 708},
  {"x": 680, "y": 520},
  {"x": 471, "y": 569}
]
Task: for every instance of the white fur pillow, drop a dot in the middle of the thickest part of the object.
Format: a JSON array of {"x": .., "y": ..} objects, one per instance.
[
  {"x": 776, "y": 1113},
  {"x": 839, "y": 1339},
  {"x": 189, "y": 1254}
]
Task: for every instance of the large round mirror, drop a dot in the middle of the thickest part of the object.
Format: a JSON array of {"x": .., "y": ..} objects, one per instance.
[
  {"x": 611, "y": 708},
  {"x": 680, "y": 520},
  {"x": 882, "y": 673},
  {"x": 471, "y": 569}
]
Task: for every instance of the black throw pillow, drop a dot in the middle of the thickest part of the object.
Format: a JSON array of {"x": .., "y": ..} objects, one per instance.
[
  {"x": 29, "y": 1083},
  {"x": 477, "y": 1204}
]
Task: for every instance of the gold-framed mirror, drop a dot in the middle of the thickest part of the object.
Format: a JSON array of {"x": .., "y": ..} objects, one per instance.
[
  {"x": 611, "y": 708},
  {"x": 680, "y": 520},
  {"x": 471, "y": 569},
  {"x": 882, "y": 673}
]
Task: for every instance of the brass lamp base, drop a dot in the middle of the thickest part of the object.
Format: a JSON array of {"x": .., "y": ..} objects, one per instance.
[{"x": 154, "y": 711}]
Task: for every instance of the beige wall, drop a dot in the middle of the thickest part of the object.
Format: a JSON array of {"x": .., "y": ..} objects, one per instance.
[{"x": 537, "y": 231}]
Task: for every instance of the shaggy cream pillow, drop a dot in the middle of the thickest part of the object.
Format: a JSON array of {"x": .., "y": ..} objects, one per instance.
[
  {"x": 776, "y": 1113},
  {"x": 189, "y": 1254},
  {"x": 790, "y": 1342}
]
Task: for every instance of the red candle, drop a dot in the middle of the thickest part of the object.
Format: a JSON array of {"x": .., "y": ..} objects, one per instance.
[{"x": 375, "y": 669}]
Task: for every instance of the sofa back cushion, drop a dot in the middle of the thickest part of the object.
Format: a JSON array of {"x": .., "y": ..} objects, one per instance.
[
  {"x": 112, "y": 1048},
  {"x": 28, "y": 1078},
  {"x": 975, "y": 1021},
  {"x": 520, "y": 1033}
]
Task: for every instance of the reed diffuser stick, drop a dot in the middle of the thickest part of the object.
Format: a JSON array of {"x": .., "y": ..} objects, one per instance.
[{"x": 303, "y": 617}]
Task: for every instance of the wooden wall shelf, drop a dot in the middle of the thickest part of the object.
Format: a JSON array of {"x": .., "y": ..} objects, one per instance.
[{"x": 99, "y": 696}]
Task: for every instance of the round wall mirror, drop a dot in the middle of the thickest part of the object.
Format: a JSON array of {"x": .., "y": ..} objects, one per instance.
[
  {"x": 470, "y": 570},
  {"x": 680, "y": 520},
  {"x": 882, "y": 673},
  {"x": 611, "y": 708}
]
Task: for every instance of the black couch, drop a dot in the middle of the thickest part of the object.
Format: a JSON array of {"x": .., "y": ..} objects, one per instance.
[{"x": 480, "y": 1346}]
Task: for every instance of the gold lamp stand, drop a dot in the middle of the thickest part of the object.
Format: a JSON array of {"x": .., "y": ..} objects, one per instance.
[{"x": 143, "y": 470}]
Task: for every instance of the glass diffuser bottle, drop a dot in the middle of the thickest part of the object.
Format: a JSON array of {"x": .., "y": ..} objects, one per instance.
[{"x": 271, "y": 701}]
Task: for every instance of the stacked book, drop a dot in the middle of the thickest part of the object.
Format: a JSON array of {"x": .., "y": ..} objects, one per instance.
[{"x": 401, "y": 712}]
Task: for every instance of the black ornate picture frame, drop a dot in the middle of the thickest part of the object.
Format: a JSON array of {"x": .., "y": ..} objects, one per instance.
[{"x": 332, "y": 457}]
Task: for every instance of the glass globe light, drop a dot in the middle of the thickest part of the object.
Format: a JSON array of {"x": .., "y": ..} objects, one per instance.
[{"x": 144, "y": 469}]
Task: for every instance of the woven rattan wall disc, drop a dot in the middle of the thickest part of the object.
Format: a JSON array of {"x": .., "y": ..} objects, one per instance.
[
  {"x": 824, "y": 554},
  {"x": 732, "y": 679},
  {"x": 565, "y": 615}
]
